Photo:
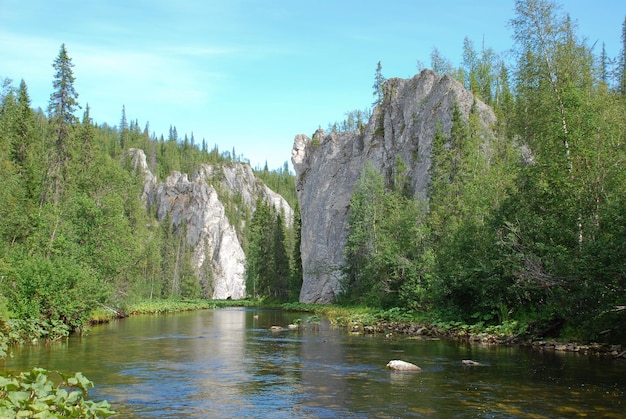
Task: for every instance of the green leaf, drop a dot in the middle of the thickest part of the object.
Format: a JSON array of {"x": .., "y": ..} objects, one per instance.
[
  {"x": 80, "y": 381},
  {"x": 17, "y": 397}
]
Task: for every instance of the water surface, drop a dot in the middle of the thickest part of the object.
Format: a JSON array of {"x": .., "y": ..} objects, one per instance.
[{"x": 228, "y": 363}]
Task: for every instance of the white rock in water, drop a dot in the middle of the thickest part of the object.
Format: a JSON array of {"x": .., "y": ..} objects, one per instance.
[
  {"x": 398, "y": 365},
  {"x": 470, "y": 363}
]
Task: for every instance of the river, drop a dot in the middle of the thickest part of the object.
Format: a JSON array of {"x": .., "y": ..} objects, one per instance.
[{"x": 227, "y": 363}]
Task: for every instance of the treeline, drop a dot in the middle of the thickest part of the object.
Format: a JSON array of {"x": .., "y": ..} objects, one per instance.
[
  {"x": 273, "y": 262},
  {"x": 528, "y": 228},
  {"x": 281, "y": 181},
  {"x": 74, "y": 233}
]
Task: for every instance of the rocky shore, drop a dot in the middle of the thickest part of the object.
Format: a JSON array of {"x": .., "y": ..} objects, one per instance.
[{"x": 389, "y": 329}]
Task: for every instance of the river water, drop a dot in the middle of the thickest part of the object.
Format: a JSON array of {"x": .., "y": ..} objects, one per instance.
[{"x": 227, "y": 363}]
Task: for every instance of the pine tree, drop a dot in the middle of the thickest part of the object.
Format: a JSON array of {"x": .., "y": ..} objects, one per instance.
[
  {"x": 63, "y": 104},
  {"x": 379, "y": 82},
  {"x": 123, "y": 129},
  {"x": 259, "y": 251},
  {"x": 622, "y": 62},
  {"x": 14, "y": 201},
  {"x": 440, "y": 64},
  {"x": 280, "y": 260},
  {"x": 85, "y": 150},
  {"x": 296, "y": 258},
  {"x": 25, "y": 125}
]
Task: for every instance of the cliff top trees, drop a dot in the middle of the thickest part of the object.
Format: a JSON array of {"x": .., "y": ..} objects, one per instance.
[{"x": 379, "y": 81}]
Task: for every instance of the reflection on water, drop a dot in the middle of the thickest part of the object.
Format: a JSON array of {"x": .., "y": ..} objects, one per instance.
[{"x": 228, "y": 363}]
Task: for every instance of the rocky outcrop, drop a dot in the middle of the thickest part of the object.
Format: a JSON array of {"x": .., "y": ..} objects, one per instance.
[
  {"x": 139, "y": 163},
  {"x": 239, "y": 182},
  {"x": 197, "y": 203},
  {"x": 218, "y": 257},
  {"x": 328, "y": 166}
]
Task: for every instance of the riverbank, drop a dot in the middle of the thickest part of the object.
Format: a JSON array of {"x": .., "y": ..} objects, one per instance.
[{"x": 392, "y": 323}]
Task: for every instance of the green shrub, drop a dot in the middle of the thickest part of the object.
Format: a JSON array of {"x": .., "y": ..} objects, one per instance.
[{"x": 33, "y": 394}]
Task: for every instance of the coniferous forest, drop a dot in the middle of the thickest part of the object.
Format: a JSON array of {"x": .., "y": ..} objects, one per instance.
[
  {"x": 528, "y": 230},
  {"x": 531, "y": 232},
  {"x": 75, "y": 234}
]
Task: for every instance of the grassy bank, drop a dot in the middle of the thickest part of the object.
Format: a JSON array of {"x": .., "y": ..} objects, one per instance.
[
  {"x": 391, "y": 322},
  {"x": 357, "y": 317}
]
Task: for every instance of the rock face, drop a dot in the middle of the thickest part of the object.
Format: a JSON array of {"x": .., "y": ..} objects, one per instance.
[
  {"x": 218, "y": 257},
  {"x": 239, "y": 180},
  {"x": 328, "y": 166}
]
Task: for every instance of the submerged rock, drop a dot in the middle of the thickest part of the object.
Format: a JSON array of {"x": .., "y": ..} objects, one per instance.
[
  {"x": 470, "y": 363},
  {"x": 398, "y": 365}
]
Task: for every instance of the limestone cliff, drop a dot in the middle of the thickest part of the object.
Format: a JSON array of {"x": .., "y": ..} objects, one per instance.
[
  {"x": 218, "y": 257},
  {"x": 328, "y": 166}
]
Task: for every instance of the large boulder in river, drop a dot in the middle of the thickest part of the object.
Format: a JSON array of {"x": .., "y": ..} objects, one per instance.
[
  {"x": 328, "y": 165},
  {"x": 398, "y": 365}
]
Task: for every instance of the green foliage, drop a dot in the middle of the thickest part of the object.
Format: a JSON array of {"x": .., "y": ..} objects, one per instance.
[
  {"x": 466, "y": 184},
  {"x": 525, "y": 227},
  {"x": 295, "y": 283},
  {"x": 379, "y": 81},
  {"x": 34, "y": 394},
  {"x": 36, "y": 282},
  {"x": 268, "y": 272},
  {"x": 386, "y": 258},
  {"x": 178, "y": 278},
  {"x": 280, "y": 181},
  {"x": 355, "y": 121}
]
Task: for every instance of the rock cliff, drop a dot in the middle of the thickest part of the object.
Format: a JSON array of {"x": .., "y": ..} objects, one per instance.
[
  {"x": 200, "y": 204},
  {"x": 328, "y": 165}
]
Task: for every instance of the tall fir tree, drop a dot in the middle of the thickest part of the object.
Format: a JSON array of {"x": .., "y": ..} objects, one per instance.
[
  {"x": 123, "y": 129},
  {"x": 63, "y": 103},
  {"x": 621, "y": 76},
  {"x": 379, "y": 81}
]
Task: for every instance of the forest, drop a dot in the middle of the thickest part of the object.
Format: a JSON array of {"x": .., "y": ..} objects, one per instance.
[
  {"x": 531, "y": 231},
  {"x": 528, "y": 230},
  {"x": 75, "y": 236}
]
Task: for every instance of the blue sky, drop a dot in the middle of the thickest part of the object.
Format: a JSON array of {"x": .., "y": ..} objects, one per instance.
[{"x": 251, "y": 74}]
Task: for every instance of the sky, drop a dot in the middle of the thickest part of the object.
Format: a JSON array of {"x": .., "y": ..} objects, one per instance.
[{"x": 250, "y": 75}]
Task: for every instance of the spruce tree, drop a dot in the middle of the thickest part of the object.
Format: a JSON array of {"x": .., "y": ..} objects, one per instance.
[
  {"x": 296, "y": 259},
  {"x": 280, "y": 260},
  {"x": 622, "y": 62},
  {"x": 123, "y": 129},
  {"x": 379, "y": 82},
  {"x": 63, "y": 104}
]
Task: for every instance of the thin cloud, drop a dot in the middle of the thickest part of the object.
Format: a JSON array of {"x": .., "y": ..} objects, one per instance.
[
  {"x": 155, "y": 76},
  {"x": 26, "y": 56},
  {"x": 201, "y": 51}
]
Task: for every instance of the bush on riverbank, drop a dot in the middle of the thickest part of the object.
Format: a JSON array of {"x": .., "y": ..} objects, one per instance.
[{"x": 35, "y": 394}]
